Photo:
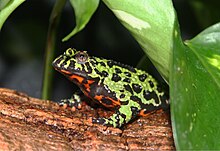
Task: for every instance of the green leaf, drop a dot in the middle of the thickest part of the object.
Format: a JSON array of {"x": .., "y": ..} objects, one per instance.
[
  {"x": 195, "y": 91},
  {"x": 6, "y": 8},
  {"x": 84, "y": 9},
  {"x": 151, "y": 22}
]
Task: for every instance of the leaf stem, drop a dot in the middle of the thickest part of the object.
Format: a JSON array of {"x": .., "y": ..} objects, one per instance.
[{"x": 50, "y": 48}]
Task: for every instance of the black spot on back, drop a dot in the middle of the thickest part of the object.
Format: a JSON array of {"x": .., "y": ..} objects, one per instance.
[
  {"x": 117, "y": 70},
  {"x": 150, "y": 108},
  {"x": 131, "y": 69},
  {"x": 72, "y": 64},
  {"x": 151, "y": 84},
  {"x": 151, "y": 95},
  {"x": 122, "y": 96},
  {"x": 121, "y": 90},
  {"x": 135, "y": 111},
  {"x": 124, "y": 102},
  {"x": 98, "y": 72},
  {"x": 128, "y": 88},
  {"x": 136, "y": 99},
  {"x": 116, "y": 77},
  {"x": 110, "y": 63},
  {"x": 93, "y": 63},
  {"x": 137, "y": 88},
  {"x": 147, "y": 94},
  {"x": 127, "y": 80},
  {"x": 142, "y": 77},
  {"x": 102, "y": 64},
  {"x": 104, "y": 73},
  {"x": 128, "y": 74}
]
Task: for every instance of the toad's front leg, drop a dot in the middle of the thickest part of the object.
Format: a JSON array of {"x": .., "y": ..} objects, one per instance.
[{"x": 74, "y": 102}]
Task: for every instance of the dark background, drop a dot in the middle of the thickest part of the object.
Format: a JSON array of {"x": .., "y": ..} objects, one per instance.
[{"x": 23, "y": 40}]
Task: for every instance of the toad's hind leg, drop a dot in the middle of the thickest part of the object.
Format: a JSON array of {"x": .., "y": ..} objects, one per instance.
[{"x": 122, "y": 116}]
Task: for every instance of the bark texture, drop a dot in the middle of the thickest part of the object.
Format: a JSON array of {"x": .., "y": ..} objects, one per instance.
[{"x": 32, "y": 124}]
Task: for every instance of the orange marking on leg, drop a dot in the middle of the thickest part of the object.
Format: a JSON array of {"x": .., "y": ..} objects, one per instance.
[
  {"x": 86, "y": 94},
  {"x": 115, "y": 102},
  {"x": 99, "y": 98},
  {"x": 65, "y": 72},
  {"x": 87, "y": 85},
  {"x": 80, "y": 79},
  {"x": 90, "y": 81},
  {"x": 142, "y": 113}
]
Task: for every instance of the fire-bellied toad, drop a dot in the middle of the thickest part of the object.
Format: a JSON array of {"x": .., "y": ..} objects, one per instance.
[{"x": 129, "y": 91}]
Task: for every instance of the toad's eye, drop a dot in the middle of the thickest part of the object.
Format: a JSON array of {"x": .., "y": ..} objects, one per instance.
[{"x": 81, "y": 57}]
